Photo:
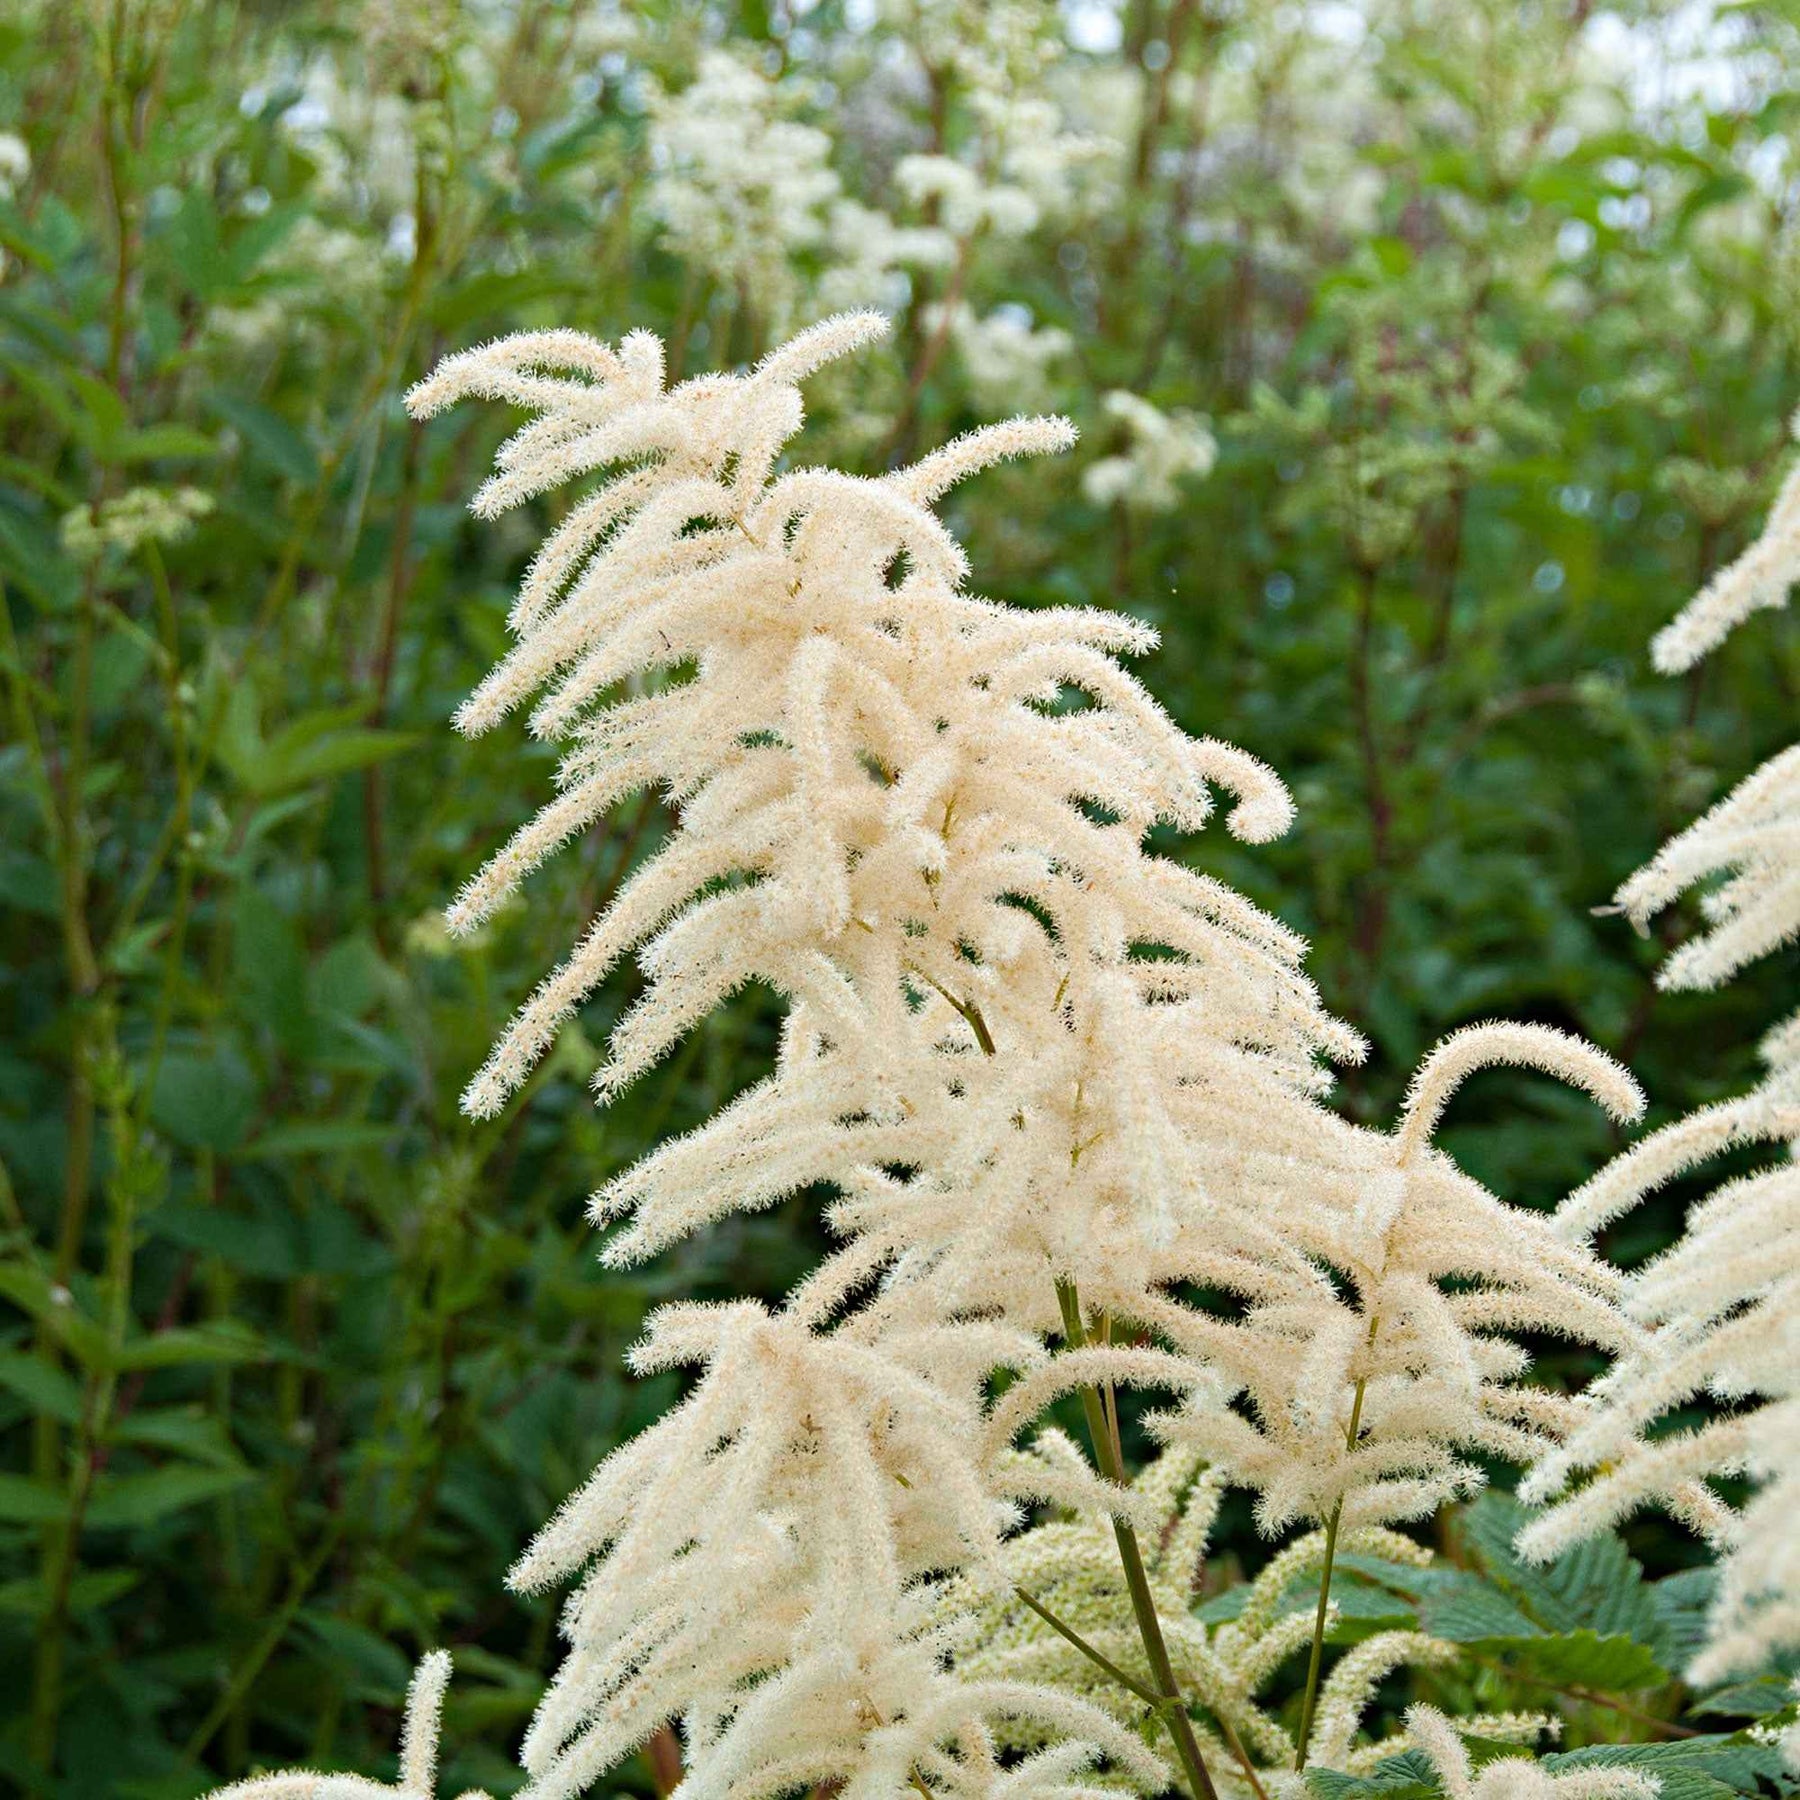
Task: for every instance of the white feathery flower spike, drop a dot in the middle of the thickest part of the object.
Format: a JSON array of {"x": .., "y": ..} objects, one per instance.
[
  {"x": 418, "y": 1755},
  {"x": 1514, "y": 1777},
  {"x": 1760, "y": 580},
  {"x": 1378, "y": 1343},
  {"x": 1720, "y": 1310},
  {"x": 1017, "y": 1046},
  {"x": 914, "y": 813}
]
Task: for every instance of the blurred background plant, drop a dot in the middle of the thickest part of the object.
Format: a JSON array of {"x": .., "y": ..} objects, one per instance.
[{"x": 1428, "y": 356}]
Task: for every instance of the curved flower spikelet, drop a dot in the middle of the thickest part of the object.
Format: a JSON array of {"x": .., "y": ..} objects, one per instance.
[
  {"x": 1514, "y": 1777},
  {"x": 1752, "y": 837},
  {"x": 418, "y": 1755},
  {"x": 1761, "y": 579},
  {"x": 1723, "y": 1312},
  {"x": 1378, "y": 1344},
  {"x": 1722, "y": 1307}
]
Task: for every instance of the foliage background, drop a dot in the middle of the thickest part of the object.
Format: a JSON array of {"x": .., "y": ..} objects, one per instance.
[{"x": 1490, "y": 307}]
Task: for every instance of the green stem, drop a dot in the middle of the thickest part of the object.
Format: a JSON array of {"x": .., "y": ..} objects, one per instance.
[
  {"x": 299, "y": 1586},
  {"x": 1137, "y": 1582},
  {"x": 1110, "y": 1456},
  {"x": 1098, "y": 1658},
  {"x": 1316, "y": 1658}
]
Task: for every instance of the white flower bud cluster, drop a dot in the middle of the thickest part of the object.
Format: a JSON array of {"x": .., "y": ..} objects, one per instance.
[{"x": 1161, "y": 451}]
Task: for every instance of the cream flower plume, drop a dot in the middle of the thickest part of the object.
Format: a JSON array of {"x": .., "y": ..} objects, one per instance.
[
  {"x": 1377, "y": 1344},
  {"x": 1722, "y": 1307}
]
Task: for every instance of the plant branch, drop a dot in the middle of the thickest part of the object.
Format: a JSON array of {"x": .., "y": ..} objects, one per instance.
[{"x": 1098, "y": 1658}]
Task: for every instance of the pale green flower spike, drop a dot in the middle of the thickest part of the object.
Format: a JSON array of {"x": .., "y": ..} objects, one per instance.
[{"x": 1070, "y": 1567}]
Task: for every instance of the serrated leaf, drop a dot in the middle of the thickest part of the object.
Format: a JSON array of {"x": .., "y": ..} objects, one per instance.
[
  {"x": 1683, "y": 1603},
  {"x": 1700, "y": 1768},
  {"x": 1467, "y": 1610},
  {"x": 1596, "y": 1586},
  {"x": 1612, "y": 1664},
  {"x": 1753, "y": 1699},
  {"x": 1407, "y": 1776}
]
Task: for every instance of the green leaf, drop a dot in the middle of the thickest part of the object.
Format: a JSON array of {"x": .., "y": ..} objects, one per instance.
[
  {"x": 32, "y": 1291},
  {"x": 1753, "y": 1699},
  {"x": 1596, "y": 1586},
  {"x": 28, "y": 884},
  {"x": 89, "y": 1590},
  {"x": 1683, "y": 1604},
  {"x": 1407, "y": 1776},
  {"x": 224, "y": 1342},
  {"x": 127, "y": 1501},
  {"x": 321, "y": 1138},
  {"x": 153, "y": 443},
  {"x": 262, "y": 1242},
  {"x": 183, "y": 1430},
  {"x": 205, "y": 1100},
  {"x": 294, "y": 763},
  {"x": 27, "y": 1501},
  {"x": 1613, "y": 1664},
  {"x": 268, "y": 437},
  {"x": 314, "y": 747},
  {"x": 378, "y": 1671},
  {"x": 1466, "y": 1610},
  {"x": 47, "y": 1389},
  {"x": 1701, "y": 1768}
]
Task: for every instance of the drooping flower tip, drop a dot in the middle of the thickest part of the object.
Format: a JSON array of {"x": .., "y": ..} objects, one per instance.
[
  {"x": 819, "y": 344},
  {"x": 1503, "y": 1043}
]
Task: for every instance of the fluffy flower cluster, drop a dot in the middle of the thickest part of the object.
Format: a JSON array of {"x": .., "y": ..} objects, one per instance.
[
  {"x": 1021, "y": 1051},
  {"x": 1722, "y": 1306},
  {"x": 1013, "y": 1039},
  {"x": 757, "y": 1567},
  {"x": 139, "y": 516},
  {"x": 1004, "y": 357},
  {"x": 1161, "y": 451},
  {"x": 739, "y": 189},
  {"x": 1376, "y": 1347}
]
